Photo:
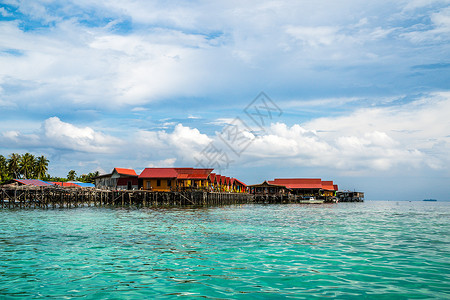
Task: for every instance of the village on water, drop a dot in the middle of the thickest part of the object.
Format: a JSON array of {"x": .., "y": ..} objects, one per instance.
[{"x": 175, "y": 186}]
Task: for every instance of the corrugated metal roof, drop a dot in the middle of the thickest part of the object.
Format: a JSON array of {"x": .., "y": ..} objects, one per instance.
[
  {"x": 179, "y": 173},
  {"x": 193, "y": 173},
  {"x": 64, "y": 183},
  {"x": 35, "y": 182},
  {"x": 159, "y": 173},
  {"x": 123, "y": 171},
  {"x": 299, "y": 183},
  {"x": 328, "y": 185},
  {"x": 82, "y": 184},
  {"x": 266, "y": 184},
  {"x": 212, "y": 177},
  {"x": 240, "y": 182}
]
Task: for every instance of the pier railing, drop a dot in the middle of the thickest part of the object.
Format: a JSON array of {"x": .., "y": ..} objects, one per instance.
[
  {"x": 51, "y": 197},
  {"x": 67, "y": 197}
]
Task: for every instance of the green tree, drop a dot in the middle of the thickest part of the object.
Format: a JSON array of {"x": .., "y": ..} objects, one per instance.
[
  {"x": 71, "y": 175},
  {"x": 27, "y": 164},
  {"x": 41, "y": 166},
  {"x": 13, "y": 165},
  {"x": 3, "y": 169},
  {"x": 89, "y": 178}
]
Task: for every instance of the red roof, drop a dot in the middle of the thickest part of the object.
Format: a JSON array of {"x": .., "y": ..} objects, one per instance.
[
  {"x": 240, "y": 182},
  {"x": 62, "y": 183},
  {"x": 212, "y": 177},
  {"x": 123, "y": 171},
  {"x": 34, "y": 182},
  {"x": 218, "y": 178},
  {"x": 298, "y": 183},
  {"x": 179, "y": 173},
  {"x": 335, "y": 186},
  {"x": 193, "y": 173},
  {"x": 159, "y": 173},
  {"x": 328, "y": 185}
]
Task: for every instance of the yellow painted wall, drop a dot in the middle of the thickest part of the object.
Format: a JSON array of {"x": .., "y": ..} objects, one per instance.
[{"x": 162, "y": 188}]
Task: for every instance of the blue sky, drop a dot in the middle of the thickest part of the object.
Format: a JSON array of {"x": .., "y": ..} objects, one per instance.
[{"x": 363, "y": 88}]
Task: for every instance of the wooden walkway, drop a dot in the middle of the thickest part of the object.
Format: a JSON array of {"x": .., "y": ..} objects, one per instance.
[
  {"x": 68, "y": 197},
  {"x": 46, "y": 197}
]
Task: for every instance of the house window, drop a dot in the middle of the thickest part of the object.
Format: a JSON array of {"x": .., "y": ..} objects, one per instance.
[
  {"x": 148, "y": 185},
  {"x": 169, "y": 182},
  {"x": 158, "y": 182}
]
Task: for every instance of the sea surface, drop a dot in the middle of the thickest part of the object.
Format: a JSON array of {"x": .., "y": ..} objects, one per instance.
[{"x": 371, "y": 250}]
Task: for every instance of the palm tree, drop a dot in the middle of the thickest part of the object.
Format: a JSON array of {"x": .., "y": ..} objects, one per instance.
[
  {"x": 13, "y": 165},
  {"x": 27, "y": 163},
  {"x": 3, "y": 168},
  {"x": 71, "y": 175},
  {"x": 41, "y": 166}
]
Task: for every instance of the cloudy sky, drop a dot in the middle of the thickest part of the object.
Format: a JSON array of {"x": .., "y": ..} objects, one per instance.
[{"x": 355, "y": 91}]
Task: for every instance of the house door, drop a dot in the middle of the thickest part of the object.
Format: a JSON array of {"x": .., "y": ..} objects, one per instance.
[{"x": 129, "y": 187}]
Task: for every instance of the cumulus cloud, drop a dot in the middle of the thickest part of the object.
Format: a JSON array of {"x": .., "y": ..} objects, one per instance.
[
  {"x": 67, "y": 136},
  {"x": 183, "y": 143},
  {"x": 197, "y": 50},
  {"x": 57, "y": 134},
  {"x": 408, "y": 136},
  {"x": 297, "y": 146}
]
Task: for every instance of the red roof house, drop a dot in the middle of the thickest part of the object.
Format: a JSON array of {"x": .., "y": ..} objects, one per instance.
[{"x": 118, "y": 179}]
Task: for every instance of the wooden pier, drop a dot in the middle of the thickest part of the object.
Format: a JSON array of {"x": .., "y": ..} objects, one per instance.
[
  {"x": 70, "y": 197},
  {"x": 57, "y": 197}
]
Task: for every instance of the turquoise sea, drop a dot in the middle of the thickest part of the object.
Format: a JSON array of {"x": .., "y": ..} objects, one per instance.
[{"x": 373, "y": 250}]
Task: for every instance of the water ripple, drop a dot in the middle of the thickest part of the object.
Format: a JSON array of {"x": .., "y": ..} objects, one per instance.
[{"x": 371, "y": 250}]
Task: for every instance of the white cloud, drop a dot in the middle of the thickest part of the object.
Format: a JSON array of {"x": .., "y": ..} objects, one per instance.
[
  {"x": 314, "y": 36},
  {"x": 407, "y": 134},
  {"x": 410, "y": 136},
  {"x": 4, "y": 12},
  {"x": 64, "y": 135},
  {"x": 189, "y": 51},
  {"x": 183, "y": 143},
  {"x": 440, "y": 31},
  {"x": 165, "y": 163}
]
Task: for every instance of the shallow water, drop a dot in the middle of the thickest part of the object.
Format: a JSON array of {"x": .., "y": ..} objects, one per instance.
[{"x": 374, "y": 249}]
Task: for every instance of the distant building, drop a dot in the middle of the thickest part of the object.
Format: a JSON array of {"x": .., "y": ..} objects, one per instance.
[
  {"x": 349, "y": 196},
  {"x": 179, "y": 179},
  {"x": 73, "y": 183},
  {"x": 305, "y": 187},
  {"x": 329, "y": 189},
  {"x": 308, "y": 187},
  {"x": 118, "y": 179},
  {"x": 29, "y": 182},
  {"x": 171, "y": 179},
  {"x": 266, "y": 188}
]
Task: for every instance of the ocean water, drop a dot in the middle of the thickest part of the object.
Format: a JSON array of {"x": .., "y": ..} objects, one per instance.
[{"x": 379, "y": 250}]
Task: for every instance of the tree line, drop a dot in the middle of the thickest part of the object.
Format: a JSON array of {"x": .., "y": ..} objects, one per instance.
[{"x": 28, "y": 166}]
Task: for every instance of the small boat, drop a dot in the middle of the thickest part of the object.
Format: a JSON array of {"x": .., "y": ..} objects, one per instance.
[
  {"x": 433, "y": 200},
  {"x": 312, "y": 198}
]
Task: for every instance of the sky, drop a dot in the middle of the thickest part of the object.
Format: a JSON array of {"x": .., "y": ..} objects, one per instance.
[{"x": 357, "y": 92}]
